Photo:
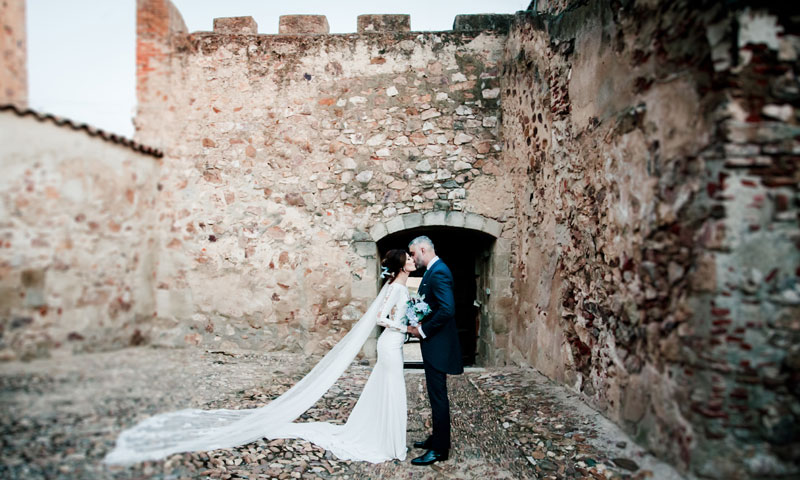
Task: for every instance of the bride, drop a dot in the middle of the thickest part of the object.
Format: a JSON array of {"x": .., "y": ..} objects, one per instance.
[{"x": 375, "y": 431}]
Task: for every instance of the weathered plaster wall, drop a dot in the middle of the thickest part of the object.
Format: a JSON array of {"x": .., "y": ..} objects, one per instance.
[
  {"x": 654, "y": 151},
  {"x": 77, "y": 240},
  {"x": 13, "y": 54},
  {"x": 283, "y": 152}
]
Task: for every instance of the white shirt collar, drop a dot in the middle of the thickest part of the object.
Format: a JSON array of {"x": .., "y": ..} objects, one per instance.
[{"x": 433, "y": 260}]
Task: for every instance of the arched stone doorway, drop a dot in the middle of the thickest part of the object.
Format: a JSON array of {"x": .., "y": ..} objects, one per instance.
[{"x": 479, "y": 258}]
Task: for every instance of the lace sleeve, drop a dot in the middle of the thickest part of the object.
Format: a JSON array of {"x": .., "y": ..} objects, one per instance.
[
  {"x": 387, "y": 304},
  {"x": 394, "y": 315}
]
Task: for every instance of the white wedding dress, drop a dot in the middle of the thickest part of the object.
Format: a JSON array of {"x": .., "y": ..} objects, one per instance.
[{"x": 375, "y": 430}]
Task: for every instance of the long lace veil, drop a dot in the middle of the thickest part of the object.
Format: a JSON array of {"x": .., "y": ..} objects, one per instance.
[{"x": 201, "y": 430}]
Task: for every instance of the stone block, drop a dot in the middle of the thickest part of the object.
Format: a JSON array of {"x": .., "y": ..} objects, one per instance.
[
  {"x": 370, "y": 348},
  {"x": 364, "y": 289},
  {"x": 412, "y": 220},
  {"x": 236, "y": 25},
  {"x": 499, "y": 324},
  {"x": 303, "y": 25},
  {"x": 378, "y": 231},
  {"x": 434, "y": 218},
  {"x": 502, "y": 245},
  {"x": 366, "y": 249},
  {"x": 483, "y": 21},
  {"x": 455, "y": 219},
  {"x": 442, "y": 205},
  {"x": 500, "y": 357},
  {"x": 704, "y": 277},
  {"x": 474, "y": 222},
  {"x": 384, "y": 23},
  {"x": 635, "y": 401},
  {"x": 501, "y": 265},
  {"x": 501, "y": 287},
  {"x": 359, "y": 236},
  {"x": 395, "y": 224},
  {"x": 493, "y": 227},
  {"x": 501, "y": 341}
]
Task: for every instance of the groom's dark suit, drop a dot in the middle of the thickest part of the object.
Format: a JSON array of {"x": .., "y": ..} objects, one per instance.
[{"x": 441, "y": 353}]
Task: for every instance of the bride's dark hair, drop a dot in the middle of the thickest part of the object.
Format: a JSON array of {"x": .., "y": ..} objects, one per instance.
[{"x": 393, "y": 261}]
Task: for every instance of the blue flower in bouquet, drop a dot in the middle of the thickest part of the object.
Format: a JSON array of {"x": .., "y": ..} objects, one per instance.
[{"x": 416, "y": 309}]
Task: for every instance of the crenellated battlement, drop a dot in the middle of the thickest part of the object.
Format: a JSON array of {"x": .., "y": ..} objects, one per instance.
[
  {"x": 367, "y": 23},
  {"x": 236, "y": 25}
]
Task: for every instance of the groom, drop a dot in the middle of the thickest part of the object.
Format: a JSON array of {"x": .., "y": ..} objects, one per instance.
[{"x": 441, "y": 353}]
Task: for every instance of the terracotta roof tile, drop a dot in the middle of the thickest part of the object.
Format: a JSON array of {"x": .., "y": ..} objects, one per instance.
[{"x": 91, "y": 131}]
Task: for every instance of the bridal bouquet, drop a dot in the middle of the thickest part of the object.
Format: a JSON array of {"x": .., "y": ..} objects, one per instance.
[{"x": 416, "y": 309}]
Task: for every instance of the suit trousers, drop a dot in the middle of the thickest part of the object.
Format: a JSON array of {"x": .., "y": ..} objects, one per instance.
[{"x": 436, "y": 382}]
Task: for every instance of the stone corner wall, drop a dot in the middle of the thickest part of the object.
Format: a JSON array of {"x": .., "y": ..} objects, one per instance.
[
  {"x": 656, "y": 183},
  {"x": 13, "y": 54}
]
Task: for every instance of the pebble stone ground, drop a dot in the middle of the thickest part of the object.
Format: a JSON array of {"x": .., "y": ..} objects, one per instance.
[{"x": 60, "y": 416}]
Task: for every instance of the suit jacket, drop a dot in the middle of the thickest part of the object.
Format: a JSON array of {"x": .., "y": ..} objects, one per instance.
[{"x": 440, "y": 347}]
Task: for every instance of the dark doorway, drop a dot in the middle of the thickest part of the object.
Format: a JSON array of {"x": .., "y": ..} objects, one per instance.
[{"x": 463, "y": 251}]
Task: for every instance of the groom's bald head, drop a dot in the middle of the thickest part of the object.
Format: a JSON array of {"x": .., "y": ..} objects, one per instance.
[{"x": 422, "y": 250}]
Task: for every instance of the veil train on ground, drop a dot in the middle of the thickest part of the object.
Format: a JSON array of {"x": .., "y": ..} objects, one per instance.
[{"x": 201, "y": 430}]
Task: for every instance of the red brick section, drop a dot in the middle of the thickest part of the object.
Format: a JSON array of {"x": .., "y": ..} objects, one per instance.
[{"x": 152, "y": 32}]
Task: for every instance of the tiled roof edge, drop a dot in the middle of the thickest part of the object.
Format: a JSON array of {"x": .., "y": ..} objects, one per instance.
[{"x": 91, "y": 131}]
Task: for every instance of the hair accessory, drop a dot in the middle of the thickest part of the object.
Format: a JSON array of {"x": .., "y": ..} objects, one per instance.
[{"x": 385, "y": 272}]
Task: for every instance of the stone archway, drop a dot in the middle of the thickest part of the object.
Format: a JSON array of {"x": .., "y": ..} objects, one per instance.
[{"x": 492, "y": 272}]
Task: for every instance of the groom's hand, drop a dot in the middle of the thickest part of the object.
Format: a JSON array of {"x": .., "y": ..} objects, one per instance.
[{"x": 414, "y": 331}]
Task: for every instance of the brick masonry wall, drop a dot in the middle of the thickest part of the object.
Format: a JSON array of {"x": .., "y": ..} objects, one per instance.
[
  {"x": 77, "y": 241},
  {"x": 283, "y": 152},
  {"x": 13, "y": 54},
  {"x": 654, "y": 151}
]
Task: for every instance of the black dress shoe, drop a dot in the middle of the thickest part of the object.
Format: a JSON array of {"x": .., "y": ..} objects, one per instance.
[
  {"x": 429, "y": 457},
  {"x": 426, "y": 444}
]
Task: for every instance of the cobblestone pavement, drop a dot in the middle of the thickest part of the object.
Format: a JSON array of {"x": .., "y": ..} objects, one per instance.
[{"x": 59, "y": 417}]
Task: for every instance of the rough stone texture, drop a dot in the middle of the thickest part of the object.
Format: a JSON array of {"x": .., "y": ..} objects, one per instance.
[
  {"x": 483, "y": 22},
  {"x": 655, "y": 150},
  {"x": 269, "y": 187},
  {"x": 303, "y": 24},
  {"x": 77, "y": 239},
  {"x": 236, "y": 25},
  {"x": 635, "y": 162},
  {"x": 60, "y": 417},
  {"x": 13, "y": 54},
  {"x": 383, "y": 23}
]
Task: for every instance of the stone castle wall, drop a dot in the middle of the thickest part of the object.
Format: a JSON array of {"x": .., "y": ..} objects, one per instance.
[
  {"x": 13, "y": 54},
  {"x": 635, "y": 164},
  {"x": 656, "y": 178},
  {"x": 77, "y": 240},
  {"x": 288, "y": 156}
]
